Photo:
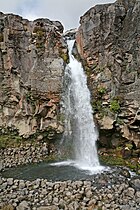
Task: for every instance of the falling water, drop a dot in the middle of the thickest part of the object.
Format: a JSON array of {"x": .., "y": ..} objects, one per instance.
[{"x": 80, "y": 131}]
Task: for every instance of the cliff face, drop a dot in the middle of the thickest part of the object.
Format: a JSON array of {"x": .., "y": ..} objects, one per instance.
[
  {"x": 108, "y": 42},
  {"x": 32, "y": 56},
  {"x": 32, "y": 60}
]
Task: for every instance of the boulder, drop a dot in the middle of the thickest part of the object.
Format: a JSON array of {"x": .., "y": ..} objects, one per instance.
[{"x": 23, "y": 206}]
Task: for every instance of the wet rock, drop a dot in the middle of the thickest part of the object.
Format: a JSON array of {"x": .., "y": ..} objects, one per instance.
[
  {"x": 135, "y": 183},
  {"x": 125, "y": 173}
]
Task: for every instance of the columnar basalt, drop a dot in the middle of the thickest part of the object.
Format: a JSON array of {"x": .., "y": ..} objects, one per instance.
[
  {"x": 31, "y": 73},
  {"x": 108, "y": 41}
]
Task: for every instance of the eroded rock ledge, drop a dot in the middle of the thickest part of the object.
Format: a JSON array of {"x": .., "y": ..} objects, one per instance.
[{"x": 108, "y": 42}]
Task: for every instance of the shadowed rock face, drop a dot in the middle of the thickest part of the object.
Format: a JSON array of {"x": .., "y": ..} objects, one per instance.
[
  {"x": 31, "y": 73},
  {"x": 108, "y": 42}
]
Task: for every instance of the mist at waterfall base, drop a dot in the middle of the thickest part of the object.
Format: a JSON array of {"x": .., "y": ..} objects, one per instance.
[
  {"x": 78, "y": 145},
  {"x": 80, "y": 133}
]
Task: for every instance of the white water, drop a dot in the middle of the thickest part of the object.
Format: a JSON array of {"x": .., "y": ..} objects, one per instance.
[{"x": 80, "y": 132}]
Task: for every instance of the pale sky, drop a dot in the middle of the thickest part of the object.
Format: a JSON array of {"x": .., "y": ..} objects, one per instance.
[{"x": 68, "y": 12}]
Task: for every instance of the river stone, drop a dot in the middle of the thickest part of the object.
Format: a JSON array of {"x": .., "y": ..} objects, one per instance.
[
  {"x": 92, "y": 202},
  {"x": 137, "y": 194},
  {"x": 125, "y": 173},
  {"x": 23, "y": 206},
  {"x": 0, "y": 181},
  {"x": 135, "y": 183},
  {"x": 130, "y": 192},
  {"x": 89, "y": 194},
  {"x": 10, "y": 181},
  {"x": 48, "y": 208},
  {"x": 43, "y": 208},
  {"x": 21, "y": 184},
  {"x": 110, "y": 196},
  {"x": 1, "y": 165},
  {"x": 55, "y": 200},
  {"x": 138, "y": 201},
  {"x": 4, "y": 185}
]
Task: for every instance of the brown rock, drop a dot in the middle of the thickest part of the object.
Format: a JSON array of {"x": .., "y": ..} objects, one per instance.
[
  {"x": 108, "y": 41},
  {"x": 31, "y": 72}
]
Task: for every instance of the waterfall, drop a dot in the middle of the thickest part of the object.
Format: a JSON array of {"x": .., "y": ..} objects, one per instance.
[{"x": 80, "y": 130}]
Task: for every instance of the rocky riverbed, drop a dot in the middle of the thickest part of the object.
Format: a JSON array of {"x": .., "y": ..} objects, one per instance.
[
  {"x": 25, "y": 154},
  {"x": 113, "y": 189}
]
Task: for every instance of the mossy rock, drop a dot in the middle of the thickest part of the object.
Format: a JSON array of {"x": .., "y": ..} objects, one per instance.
[
  {"x": 117, "y": 160},
  {"x": 39, "y": 29},
  {"x": 101, "y": 91},
  {"x": 65, "y": 57},
  {"x": 97, "y": 105},
  {"x": 115, "y": 106},
  {"x": 8, "y": 207},
  {"x": 112, "y": 160},
  {"x": 40, "y": 34},
  {"x": 9, "y": 141}
]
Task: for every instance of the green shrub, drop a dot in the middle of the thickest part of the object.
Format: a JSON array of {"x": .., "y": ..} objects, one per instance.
[
  {"x": 65, "y": 57},
  {"x": 40, "y": 34},
  {"x": 115, "y": 106},
  {"x": 9, "y": 140},
  {"x": 101, "y": 90}
]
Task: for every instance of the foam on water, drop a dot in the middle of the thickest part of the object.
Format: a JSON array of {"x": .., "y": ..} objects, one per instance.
[{"x": 88, "y": 170}]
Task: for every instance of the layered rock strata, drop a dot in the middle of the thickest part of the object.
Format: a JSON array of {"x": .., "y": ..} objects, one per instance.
[{"x": 108, "y": 42}]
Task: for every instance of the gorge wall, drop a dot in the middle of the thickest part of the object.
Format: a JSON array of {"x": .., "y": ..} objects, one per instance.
[
  {"x": 33, "y": 56},
  {"x": 108, "y": 42},
  {"x": 32, "y": 61}
]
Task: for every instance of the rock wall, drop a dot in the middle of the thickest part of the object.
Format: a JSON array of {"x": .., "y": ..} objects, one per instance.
[
  {"x": 32, "y": 60},
  {"x": 108, "y": 42}
]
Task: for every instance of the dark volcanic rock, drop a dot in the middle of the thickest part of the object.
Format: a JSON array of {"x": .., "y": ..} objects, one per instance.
[{"x": 108, "y": 41}]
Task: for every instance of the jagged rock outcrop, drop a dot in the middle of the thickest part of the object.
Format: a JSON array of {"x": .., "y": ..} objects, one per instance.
[
  {"x": 32, "y": 61},
  {"x": 108, "y": 42}
]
